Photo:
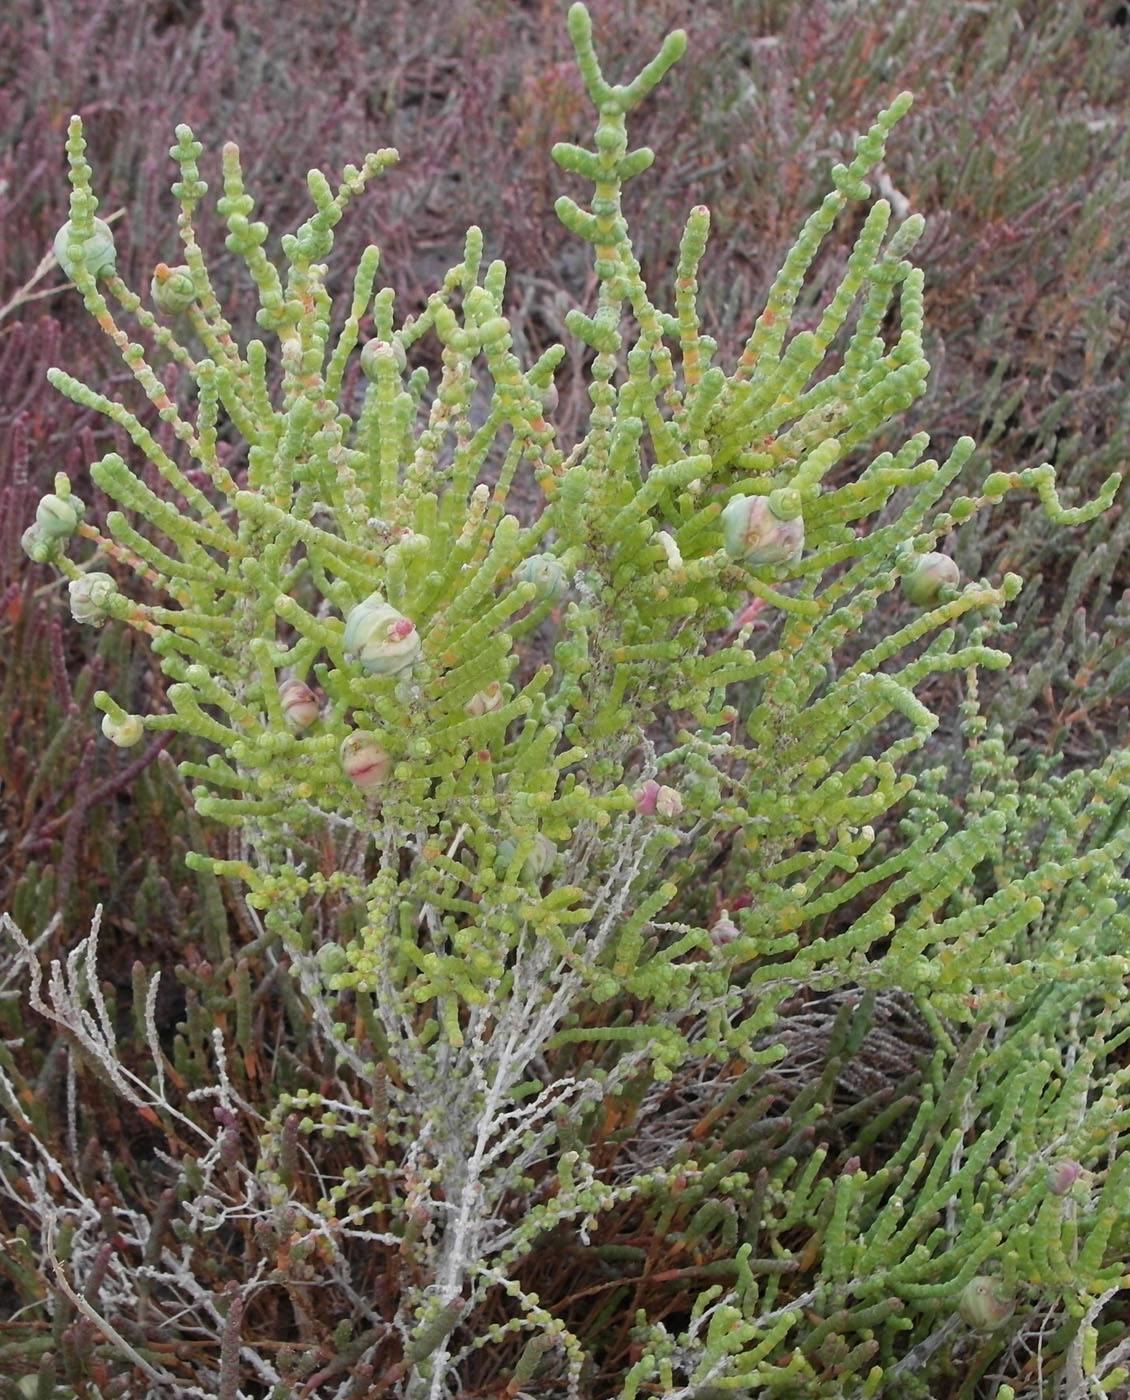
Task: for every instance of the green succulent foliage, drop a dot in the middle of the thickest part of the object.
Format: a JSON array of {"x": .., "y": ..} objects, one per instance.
[{"x": 442, "y": 827}]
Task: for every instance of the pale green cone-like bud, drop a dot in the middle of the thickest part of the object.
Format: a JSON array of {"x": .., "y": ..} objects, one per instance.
[
  {"x": 545, "y": 572},
  {"x": 29, "y": 1388},
  {"x": 125, "y": 732},
  {"x": 548, "y": 396},
  {"x": 364, "y": 762},
  {"x": 540, "y": 860},
  {"x": 38, "y": 547},
  {"x": 58, "y": 517},
  {"x": 299, "y": 704},
  {"x": 383, "y": 640},
  {"x": 764, "y": 529},
  {"x": 931, "y": 573},
  {"x": 985, "y": 1303},
  {"x": 89, "y": 597},
  {"x": 172, "y": 288},
  {"x": 538, "y": 863},
  {"x": 376, "y": 351},
  {"x": 97, "y": 252},
  {"x": 332, "y": 958}
]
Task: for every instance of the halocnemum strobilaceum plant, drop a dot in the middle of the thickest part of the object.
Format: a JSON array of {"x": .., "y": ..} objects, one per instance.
[{"x": 527, "y": 895}]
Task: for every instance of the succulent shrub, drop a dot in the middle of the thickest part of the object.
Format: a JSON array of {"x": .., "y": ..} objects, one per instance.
[
  {"x": 1015, "y": 152},
  {"x": 611, "y": 1010}
]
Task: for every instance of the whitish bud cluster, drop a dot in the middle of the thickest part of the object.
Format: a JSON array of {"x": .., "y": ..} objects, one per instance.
[
  {"x": 90, "y": 595},
  {"x": 378, "y": 352}
]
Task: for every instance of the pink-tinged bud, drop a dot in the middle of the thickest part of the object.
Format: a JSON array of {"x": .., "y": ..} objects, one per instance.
[
  {"x": 723, "y": 930},
  {"x": 124, "y": 732},
  {"x": 652, "y": 799},
  {"x": 364, "y": 762},
  {"x": 932, "y": 572},
  {"x": 985, "y": 1303},
  {"x": 645, "y": 796},
  {"x": 485, "y": 701},
  {"x": 764, "y": 529},
  {"x": 299, "y": 705},
  {"x": 1063, "y": 1175},
  {"x": 383, "y": 640}
]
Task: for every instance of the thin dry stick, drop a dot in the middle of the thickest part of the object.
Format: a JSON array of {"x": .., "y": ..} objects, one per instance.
[{"x": 108, "y": 1331}]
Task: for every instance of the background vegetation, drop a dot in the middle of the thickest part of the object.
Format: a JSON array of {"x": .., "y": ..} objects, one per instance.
[{"x": 1018, "y": 154}]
